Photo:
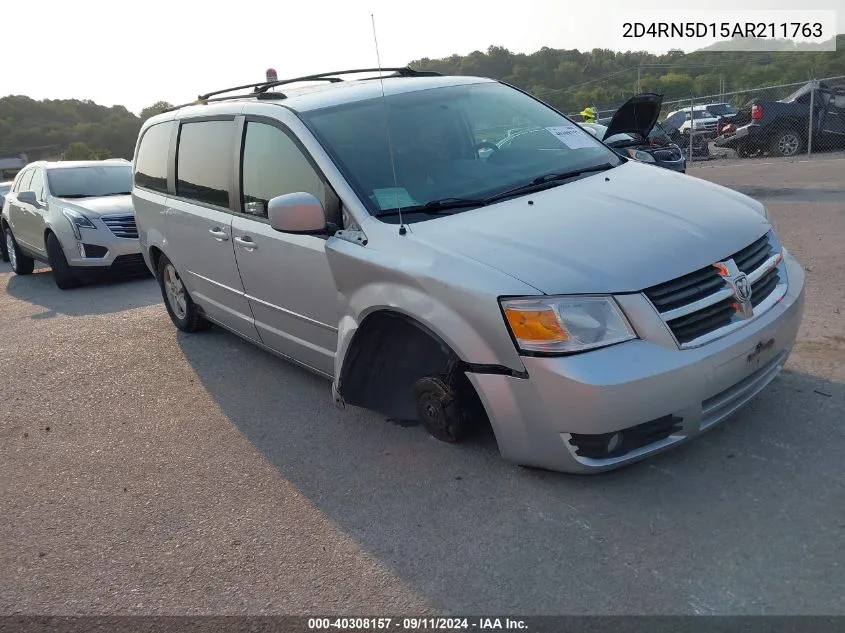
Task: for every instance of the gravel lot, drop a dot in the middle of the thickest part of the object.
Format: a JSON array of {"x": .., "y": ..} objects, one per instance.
[{"x": 147, "y": 472}]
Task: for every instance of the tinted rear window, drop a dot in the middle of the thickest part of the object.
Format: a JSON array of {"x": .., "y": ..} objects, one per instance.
[
  {"x": 204, "y": 161},
  {"x": 151, "y": 162}
]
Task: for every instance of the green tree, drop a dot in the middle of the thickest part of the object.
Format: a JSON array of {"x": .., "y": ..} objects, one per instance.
[
  {"x": 157, "y": 108},
  {"x": 79, "y": 151}
]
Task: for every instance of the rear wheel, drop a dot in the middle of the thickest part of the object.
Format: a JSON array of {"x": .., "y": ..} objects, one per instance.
[
  {"x": 21, "y": 264},
  {"x": 63, "y": 273},
  {"x": 181, "y": 308},
  {"x": 787, "y": 143}
]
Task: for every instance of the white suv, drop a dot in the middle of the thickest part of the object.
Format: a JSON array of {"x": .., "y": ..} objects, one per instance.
[{"x": 699, "y": 118}]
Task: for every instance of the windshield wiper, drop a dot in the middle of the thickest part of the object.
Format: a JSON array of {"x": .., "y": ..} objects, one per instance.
[
  {"x": 434, "y": 207},
  {"x": 547, "y": 181}
]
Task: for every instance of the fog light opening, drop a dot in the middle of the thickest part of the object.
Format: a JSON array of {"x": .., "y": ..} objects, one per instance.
[
  {"x": 81, "y": 247},
  {"x": 614, "y": 443}
]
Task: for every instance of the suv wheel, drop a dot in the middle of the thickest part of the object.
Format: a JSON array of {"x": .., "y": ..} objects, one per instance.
[
  {"x": 63, "y": 273},
  {"x": 787, "y": 143},
  {"x": 181, "y": 308},
  {"x": 21, "y": 264}
]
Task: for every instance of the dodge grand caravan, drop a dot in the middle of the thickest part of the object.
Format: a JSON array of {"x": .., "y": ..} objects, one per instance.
[{"x": 591, "y": 309}]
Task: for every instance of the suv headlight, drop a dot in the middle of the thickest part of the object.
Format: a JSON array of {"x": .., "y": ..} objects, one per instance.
[
  {"x": 643, "y": 157},
  {"x": 561, "y": 325},
  {"x": 77, "y": 222}
]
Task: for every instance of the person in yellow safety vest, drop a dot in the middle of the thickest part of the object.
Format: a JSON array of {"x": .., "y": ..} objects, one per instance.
[{"x": 588, "y": 114}]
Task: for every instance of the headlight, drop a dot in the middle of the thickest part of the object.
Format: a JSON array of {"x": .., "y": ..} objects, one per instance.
[
  {"x": 643, "y": 157},
  {"x": 565, "y": 324},
  {"x": 77, "y": 222}
]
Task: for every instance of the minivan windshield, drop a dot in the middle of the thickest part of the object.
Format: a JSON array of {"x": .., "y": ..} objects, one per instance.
[
  {"x": 466, "y": 143},
  {"x": 90, "y": 181}
]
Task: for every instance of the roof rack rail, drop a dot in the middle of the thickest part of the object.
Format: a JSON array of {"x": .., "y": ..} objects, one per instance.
[
  {"x": 332, "y": 77},
  {"x": 260, "y": 89}
]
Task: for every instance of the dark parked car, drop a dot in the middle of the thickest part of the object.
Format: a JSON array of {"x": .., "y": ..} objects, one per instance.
[
  {"x": 4, "y": 189},
  {"x": 781, "y": 128},
  {"x": 700, "y": 141},
  {"x": 633, "y": 132}
]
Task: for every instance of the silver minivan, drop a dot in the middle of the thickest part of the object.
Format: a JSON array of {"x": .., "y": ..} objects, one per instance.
[{"x": 590, "y": 309}]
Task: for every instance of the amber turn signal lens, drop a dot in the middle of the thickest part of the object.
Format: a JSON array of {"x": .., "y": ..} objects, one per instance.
[{"x": 535, "y": 324}]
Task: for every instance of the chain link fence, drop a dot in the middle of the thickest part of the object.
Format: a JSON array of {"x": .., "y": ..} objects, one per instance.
[{"x": 788, "y": 120}]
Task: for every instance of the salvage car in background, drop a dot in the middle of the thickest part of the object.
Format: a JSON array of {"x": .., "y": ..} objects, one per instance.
[
  {"x": 781, "y": 128},
  {"x": 632, "y": 132}
]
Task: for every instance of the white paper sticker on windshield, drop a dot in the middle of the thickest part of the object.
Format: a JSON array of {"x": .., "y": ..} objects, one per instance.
[
  {"x": 392, "y": 197},
  {"x": 571, "y": 136}
]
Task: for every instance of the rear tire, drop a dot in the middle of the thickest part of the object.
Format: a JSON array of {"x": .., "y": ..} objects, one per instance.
[
  {"x": 21, "y": 264},
  {"x": 181, "y": 308},
  {"x": 787, "y": 143},
  {"x": 63, "y": 273}
]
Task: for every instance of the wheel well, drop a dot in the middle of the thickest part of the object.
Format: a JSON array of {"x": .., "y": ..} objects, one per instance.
[
  {"x": 791, "y": 124},
  {"x": 155, "y": 255},
  {"x": 388, "y": 354}
]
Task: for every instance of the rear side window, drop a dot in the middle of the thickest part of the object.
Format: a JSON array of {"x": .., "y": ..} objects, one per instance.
[
  {"x": 23, "y": 183},
  {"x": 37, "y": 184},
  {"x": 151, "y": 162},
  {"x": 204, "y": 161}
]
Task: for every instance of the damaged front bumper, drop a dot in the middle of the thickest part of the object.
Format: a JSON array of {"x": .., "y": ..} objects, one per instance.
[{"x": 637, "y": 394}]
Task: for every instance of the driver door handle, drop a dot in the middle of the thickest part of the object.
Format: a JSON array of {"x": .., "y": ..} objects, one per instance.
[
  {"x": 219, "y": 234},
  {"x": 246, "y": 242}
]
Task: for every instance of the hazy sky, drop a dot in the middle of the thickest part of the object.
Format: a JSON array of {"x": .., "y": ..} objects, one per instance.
[{"x": 137, "y": 53}]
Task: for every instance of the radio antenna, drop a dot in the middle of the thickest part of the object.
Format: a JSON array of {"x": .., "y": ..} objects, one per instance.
[{"x": 402, "y": 229}]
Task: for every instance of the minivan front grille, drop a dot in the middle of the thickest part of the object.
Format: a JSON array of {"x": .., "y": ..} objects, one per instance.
[
  {"x": 703, "y": 305},
  {"x": 122, "y": 225}
]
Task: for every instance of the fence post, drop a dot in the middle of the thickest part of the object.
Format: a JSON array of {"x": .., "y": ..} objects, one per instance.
[
  {"x": 812, "y": 112},
  {"x": 691, "y": 126}
]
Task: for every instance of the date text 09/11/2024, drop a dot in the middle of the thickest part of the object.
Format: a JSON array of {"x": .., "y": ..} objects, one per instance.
[
  {"x": 416, "y": 624},
  {"x": 762, "y": 30}
]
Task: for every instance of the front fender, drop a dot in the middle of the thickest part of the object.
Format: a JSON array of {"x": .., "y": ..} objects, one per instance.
[{"x": 462, "y": 310}]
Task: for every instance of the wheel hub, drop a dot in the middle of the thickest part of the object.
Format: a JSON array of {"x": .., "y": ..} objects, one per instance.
[
  {"x": 10, "y": 248},
  {"x": 175, "y": 292}
]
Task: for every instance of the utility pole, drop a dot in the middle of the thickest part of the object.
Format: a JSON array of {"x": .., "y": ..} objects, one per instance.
[{"x": 639, "y": 86}]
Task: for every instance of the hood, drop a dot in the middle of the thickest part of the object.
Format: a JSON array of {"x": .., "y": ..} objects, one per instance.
[
  {"x": 636, "y": 116},
  {"x": 617, "y": 231},
  {"x": 100, "y": 206}
]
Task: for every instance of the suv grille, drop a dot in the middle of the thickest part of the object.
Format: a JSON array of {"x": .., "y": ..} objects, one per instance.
[
  {"x": 702, "y": 305},
  {"x": 122, "y": 225}
]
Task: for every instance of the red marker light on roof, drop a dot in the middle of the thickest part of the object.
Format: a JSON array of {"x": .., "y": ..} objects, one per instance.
[{"x": 271, "y": 75}]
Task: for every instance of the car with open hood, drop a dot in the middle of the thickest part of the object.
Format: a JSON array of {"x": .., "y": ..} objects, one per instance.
[
  {"x": 590, "y": 309},
  {"x": 633, "y": 132}
]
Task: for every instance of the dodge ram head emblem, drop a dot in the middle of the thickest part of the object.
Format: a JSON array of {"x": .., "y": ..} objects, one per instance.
[{"x": 739, "y": 285}]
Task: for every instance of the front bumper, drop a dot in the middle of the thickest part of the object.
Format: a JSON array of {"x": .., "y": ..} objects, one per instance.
[
  {"x": 635, "y": 383},
  {"x": 98, "y": 248}
]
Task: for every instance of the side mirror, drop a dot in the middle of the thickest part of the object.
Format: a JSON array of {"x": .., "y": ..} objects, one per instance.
[
  {"x": 28, "y": 197},
  {"x": 300, "y": 213}
]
